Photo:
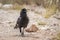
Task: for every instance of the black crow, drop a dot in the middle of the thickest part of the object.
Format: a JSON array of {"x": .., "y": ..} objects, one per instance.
[{"x": 22, "y": 21}]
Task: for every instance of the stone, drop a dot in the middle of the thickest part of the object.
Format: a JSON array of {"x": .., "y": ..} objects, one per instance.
[{"x": 33, "y": 28}]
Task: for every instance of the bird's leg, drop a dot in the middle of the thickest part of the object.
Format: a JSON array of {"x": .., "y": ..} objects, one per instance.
[{"x": 22, "y": 31}]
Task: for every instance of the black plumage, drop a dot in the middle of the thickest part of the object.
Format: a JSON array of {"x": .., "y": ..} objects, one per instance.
[{"x": 22, "y": 21}]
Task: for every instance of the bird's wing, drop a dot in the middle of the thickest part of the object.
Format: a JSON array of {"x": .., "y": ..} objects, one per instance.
[{"x": 19, "y": 19}]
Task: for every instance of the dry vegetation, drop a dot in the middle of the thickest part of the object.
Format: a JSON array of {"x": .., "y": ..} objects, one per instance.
[
  {"x": 57, "y": 37},
  {"x": 45, "y": 3},
  {"x": 50, "y": 11},
  {"x": 51, "y": 5}
]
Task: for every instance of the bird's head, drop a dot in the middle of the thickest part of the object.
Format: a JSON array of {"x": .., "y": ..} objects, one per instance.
[{"x": 23, "y": 12}]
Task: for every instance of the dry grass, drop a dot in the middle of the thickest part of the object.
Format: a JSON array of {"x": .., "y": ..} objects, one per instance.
[
  {"x": 41, "y": 23},
  {"x": 57, "y": 37},
  {"x": 17, "y": 7},
  {"x": 14, "y": 7},
  {"x": 50, "y": 11}
]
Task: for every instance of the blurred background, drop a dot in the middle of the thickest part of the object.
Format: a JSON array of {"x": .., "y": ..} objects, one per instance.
[
  {"x": 44, "y": 16},
  {"x": 44, "y": 3}
]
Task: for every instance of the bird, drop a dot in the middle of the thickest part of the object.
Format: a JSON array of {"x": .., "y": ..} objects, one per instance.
[{"x": 22, "y": 21}]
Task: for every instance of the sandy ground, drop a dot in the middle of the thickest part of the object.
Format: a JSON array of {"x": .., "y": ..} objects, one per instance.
[{"x": 7, "y": 32}]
